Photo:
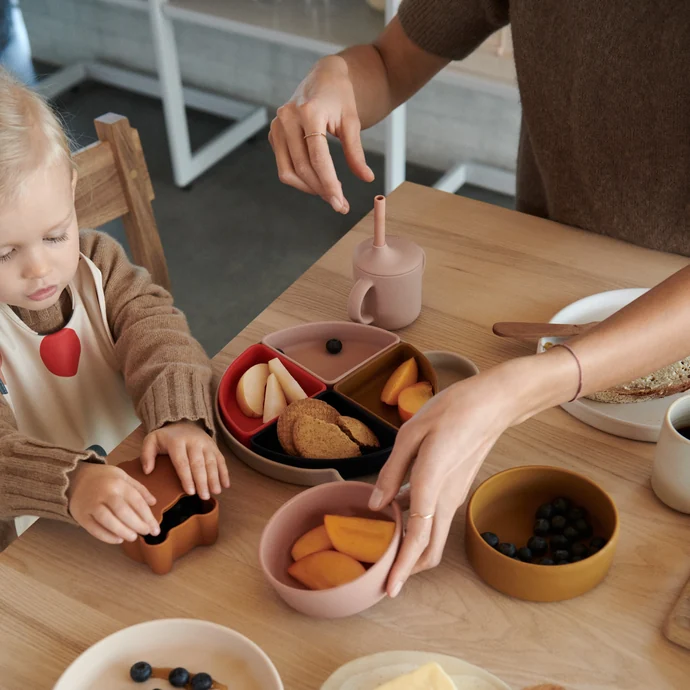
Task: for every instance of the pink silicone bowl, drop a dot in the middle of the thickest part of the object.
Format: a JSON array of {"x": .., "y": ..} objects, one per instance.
[{"x": 306, "y": 511}]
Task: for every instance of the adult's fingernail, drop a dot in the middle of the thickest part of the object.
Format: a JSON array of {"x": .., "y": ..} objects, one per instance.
[
  {"x": 396, "y": 589},
  {"x": 336, "y": 204},
  {"x": 376, "y": 499},
  {"x": 156, "y": 531},
  {"x": 371, "y": 171}
]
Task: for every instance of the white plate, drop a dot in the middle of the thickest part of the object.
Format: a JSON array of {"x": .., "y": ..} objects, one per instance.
[
  {"x": 369, "y": 672},
  {"x": 199, "y": 646},
  {"x": 637, "y": 421}
]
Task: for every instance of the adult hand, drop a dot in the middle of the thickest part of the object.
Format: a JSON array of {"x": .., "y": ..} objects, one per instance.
[
  {"x": 109, "y": 504},
  {"x": 323, "y": 102},
  {"x": 443, "y": 446}
]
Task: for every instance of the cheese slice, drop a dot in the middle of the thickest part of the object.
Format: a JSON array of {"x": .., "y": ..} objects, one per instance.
[{"x": 428, "y": 677}]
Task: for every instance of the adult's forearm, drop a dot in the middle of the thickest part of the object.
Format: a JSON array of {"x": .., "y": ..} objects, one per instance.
[
  {"x": 388, "y": 72},
  {"x": 648, "y": 334},
  {"x": 370, "y": 83}
]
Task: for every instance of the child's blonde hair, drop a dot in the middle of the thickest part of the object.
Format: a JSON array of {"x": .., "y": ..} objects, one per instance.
[{"x": 31, "y": 135}]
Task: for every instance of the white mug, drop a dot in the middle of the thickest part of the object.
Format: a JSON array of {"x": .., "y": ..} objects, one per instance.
[{"x": 671, "y": 470}]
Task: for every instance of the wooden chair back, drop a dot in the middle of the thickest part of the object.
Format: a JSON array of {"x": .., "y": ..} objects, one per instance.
[{"x": 114, "y": 182}]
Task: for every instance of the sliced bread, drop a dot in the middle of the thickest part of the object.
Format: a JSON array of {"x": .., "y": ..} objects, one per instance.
[{"x": 670, "y": 380}]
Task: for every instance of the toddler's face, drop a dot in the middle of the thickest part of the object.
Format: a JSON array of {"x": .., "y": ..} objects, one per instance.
[{"x": 39, "y": 239}]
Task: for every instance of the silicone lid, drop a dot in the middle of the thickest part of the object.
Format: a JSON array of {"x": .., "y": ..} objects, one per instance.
[{"x": 396, "y": 257}]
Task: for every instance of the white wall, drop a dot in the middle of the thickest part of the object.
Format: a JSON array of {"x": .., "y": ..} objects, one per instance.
[{"x": 453, "y": 118}]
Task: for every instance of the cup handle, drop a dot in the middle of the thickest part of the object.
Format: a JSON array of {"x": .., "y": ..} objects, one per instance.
[{"x": 356, "y": 300}]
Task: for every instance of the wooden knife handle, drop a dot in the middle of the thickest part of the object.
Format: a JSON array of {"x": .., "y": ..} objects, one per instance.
[{"x": 534, "y": 331}]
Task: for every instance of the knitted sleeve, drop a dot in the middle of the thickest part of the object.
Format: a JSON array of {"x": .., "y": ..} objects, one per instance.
[
  {"x": 452, "y": 28},
  {"x": 166, "y": 371},
  {"x": 34, "y": 476}
]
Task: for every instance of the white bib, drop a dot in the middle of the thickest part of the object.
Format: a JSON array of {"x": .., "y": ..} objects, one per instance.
[{"x": 65, "y": 388}]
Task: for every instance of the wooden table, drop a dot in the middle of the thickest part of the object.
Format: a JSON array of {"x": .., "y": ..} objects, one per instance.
[{"x": 61, "y": 591}]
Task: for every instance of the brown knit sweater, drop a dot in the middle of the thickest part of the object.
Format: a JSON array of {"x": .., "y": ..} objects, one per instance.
[
  {"x": 166, "y": 372},
  {"x": 605, "y": 142}
]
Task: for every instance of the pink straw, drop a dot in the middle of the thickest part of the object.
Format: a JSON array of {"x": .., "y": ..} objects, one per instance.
[{"x": 380, "y": 221}]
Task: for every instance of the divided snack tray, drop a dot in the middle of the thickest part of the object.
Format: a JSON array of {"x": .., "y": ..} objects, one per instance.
[
  {"x": 305, "y": 346},
  {"x": 267, "y": 444},
  {"x": 363, "y": 387},
  {"x": 352, "y": 384}
]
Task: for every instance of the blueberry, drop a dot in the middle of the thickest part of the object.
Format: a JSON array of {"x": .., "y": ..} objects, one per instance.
[
  {"x": 576, "y": 559},
  {"x": 538, "y": 546},
  {"x": 571, "y": 534},
  {"x": 560, "y": 506},
  {"x": 562, "y": 562},
  {"x": 202, "y": 681},
  {"x": 561, "y": 555},
  {"x": 559, "y": 542},
  {"x": 507, "y": 549},
  {"x": 179, "y": 677},
  {"x": 598, "y": 543},
  {"x": 545, "y": 561},
  {"x": 542, "y": 527},
  {"x": 334, "y": 346},
  {"x": 491, "y": 539},
  {"x": 558, "y": 524},
  {"x": 140, "y": 672},
  {"x": 578, "y": 551},
  {"x": 525, "y": 554},
  {"x": 584, "y": 529},
  {"x": 575, "y": 514},
  {"x": 544, "y": 512}
]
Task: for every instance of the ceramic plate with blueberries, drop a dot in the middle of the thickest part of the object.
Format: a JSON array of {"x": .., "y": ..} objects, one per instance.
[{"x": 176, "y": 653}]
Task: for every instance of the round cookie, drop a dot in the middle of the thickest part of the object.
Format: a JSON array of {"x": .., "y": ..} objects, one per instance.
[
  {"x": 359, "y": 432},
  {"x": 314, "y": 408},
  {"x": 316, "y": 439}
]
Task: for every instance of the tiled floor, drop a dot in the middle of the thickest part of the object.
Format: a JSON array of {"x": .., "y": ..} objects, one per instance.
[{"x": 238, "y": 237}]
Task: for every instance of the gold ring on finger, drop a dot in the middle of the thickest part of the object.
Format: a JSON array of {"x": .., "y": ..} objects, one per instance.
[
  {"x": 430, "y": 516},
  {"x": 316, "y": 134}
]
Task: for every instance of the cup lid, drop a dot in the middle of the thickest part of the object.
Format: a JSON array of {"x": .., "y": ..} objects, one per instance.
[{"x": 397, "y": 257}]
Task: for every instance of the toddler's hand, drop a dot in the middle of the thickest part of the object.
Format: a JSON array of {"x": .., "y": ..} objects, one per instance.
[
  {"x": 109, "y": 504},
  {"x": 199, "y": 464}
]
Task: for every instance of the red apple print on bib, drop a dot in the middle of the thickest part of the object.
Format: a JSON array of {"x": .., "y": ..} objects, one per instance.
[{"x": 60, "y": 352}]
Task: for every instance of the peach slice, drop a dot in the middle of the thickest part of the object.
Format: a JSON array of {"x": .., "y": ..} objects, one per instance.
[
  {"x": 251, "y": 389},
  {"x": 313, "y": 541},
  {"x": 361, "y": 538},
  {"x": 404, "y": 376},
  {"x": 413, "y": 398},
  {"x": 326, "y": 569}
]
